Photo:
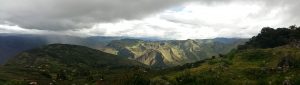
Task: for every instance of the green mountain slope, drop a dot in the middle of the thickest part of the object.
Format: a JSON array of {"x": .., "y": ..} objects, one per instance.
[
  {"x": 255, "y": 63},
  {"x": 171, "y": 52},
  {"x": 273, "y": 66},
  {"x": 66, "y": 64}
]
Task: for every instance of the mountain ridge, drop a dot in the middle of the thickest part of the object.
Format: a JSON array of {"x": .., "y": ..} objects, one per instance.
[
  {"x": 173, "y": 52},
  {"x": 270, "y": 58}
]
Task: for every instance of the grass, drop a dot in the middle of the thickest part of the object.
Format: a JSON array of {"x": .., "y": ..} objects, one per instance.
[{"x": 248, "y": 67}]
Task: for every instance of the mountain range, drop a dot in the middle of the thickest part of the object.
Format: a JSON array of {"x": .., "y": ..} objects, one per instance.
[
  {"x": 270, "y": 58},
  {"x": 171, "y": 52},
  {"x": 174, "y": 52}
]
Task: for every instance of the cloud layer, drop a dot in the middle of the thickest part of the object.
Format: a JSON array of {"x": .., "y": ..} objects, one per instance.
[
  {"x": 168, "y": 19},
  {"x": 74, "y": 14}
]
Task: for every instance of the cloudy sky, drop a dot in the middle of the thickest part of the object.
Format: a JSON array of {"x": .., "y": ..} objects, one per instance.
[{"x": 167, "y": 19}]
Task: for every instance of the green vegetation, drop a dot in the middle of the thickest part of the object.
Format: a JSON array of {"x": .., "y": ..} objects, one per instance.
[
  {"x": 274, "y": 68},
  {"x": 271, "y": 58},
  {"x": 255, "y": 63},
  {"x": 270, "y": 37},
  {"x": 66, "y": 64}
]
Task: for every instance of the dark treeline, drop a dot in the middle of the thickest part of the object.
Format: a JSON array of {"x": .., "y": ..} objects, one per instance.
[{"x": 270, "y": 37}]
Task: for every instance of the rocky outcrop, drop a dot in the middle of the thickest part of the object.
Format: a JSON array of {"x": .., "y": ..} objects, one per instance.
[{"x": 152, "y": 58}]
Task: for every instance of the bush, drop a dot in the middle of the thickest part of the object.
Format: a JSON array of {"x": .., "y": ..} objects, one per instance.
[{"x": 255, "y": 55}]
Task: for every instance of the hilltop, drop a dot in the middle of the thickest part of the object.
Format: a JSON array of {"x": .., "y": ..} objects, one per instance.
[{"x": 66, "y": 64}]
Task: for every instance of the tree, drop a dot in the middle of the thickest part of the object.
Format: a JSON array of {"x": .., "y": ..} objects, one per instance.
[{"x": 270, "y": 37}]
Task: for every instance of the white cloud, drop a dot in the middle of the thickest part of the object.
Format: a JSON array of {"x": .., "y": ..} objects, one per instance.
[
  {"x": 191, "y": 21},
  {"x": 14, "y": 29},
  {"x": 17, "y": 29},
  {"x": 194, "y": 21}
]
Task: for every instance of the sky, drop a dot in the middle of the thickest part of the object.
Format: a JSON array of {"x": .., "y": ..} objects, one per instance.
[{"x": 165, "y": 19}]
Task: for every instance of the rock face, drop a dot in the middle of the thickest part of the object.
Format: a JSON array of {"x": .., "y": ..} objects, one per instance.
[
  {"x": 153, "y": 58},
  {"x": 171, "y": 52}
]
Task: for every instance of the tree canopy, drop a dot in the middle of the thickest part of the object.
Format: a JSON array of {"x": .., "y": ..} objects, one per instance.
[{"x": 270, "y": 37}]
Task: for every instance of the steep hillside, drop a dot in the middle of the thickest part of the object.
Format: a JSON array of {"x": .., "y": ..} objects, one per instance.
[
  {"x": 171, "y": 52},
  {"x": 66, "y": 64},
  {"x": 273, "y": 66},
  {"x": 257, "y": 63}
]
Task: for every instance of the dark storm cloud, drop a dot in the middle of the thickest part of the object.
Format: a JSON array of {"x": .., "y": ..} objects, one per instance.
[{"x": 72, "y": 14}]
